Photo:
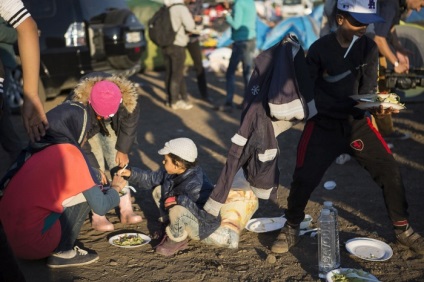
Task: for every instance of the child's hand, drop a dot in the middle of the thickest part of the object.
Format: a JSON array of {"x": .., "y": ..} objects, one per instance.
[{"x": 124, "y": 172}]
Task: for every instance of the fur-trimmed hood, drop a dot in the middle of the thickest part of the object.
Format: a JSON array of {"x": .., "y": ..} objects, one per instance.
[{"x": 129, "y": 93}]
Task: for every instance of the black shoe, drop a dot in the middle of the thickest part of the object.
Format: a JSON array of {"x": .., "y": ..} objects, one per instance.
[
  {"x": 288, "y": 237},
  {"x": 82, "y": 257},
  {"x": 411, "y": 240}
]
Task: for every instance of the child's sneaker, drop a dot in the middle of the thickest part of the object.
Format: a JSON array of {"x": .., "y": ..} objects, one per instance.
[
  {"x": 288, "y": 237},
  {"x": 81, "y": 257},
  {"x": 412, "y": 240}
]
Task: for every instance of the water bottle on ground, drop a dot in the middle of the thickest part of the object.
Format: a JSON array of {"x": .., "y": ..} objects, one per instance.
[
  {"x": 334, "y": 213},
  {"x": 326, "y": 243}
]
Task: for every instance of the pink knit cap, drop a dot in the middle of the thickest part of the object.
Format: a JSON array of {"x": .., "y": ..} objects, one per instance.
[{"x": 105, "y": 98}]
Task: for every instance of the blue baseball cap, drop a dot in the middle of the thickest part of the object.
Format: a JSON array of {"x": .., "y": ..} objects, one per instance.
[{"x": 364, "y": 11}]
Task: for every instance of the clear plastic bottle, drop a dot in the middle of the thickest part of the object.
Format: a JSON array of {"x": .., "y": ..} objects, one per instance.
[
  {"x": 326, "y": 243},
  {"x": 334, "y": 213}
]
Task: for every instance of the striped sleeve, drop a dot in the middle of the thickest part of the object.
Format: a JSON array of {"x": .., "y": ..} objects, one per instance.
[{"x": 13, "y": 11}]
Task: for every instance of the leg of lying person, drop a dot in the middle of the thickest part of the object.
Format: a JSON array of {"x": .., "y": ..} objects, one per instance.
[
  {"x": 66, "y": 253},
  {"x": 182, "y": 224}
]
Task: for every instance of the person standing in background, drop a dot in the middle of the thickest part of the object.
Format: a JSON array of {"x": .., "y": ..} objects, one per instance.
[
  {"x": 328, "y": 23},
  {"x": 9, "y": 139},
  {"x": 392, "y": 53},
  {"x": 34, "y": 117},
  {"x": 195, "y": 50},
  {"x": 175, "y": 55},
  {"x": 242, "y": 20},
  {"x": 15, "y": 13}
]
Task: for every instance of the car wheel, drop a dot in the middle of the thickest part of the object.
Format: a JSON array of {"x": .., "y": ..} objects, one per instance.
[{"x": 14, "y": 93}]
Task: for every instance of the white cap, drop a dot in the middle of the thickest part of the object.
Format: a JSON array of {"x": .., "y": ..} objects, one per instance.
[
  {"x": 364, "y": 11},
  {"x": 181, "y": 147}
]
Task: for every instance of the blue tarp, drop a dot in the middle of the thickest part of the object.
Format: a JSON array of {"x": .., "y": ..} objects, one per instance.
[
  {"x": 416, "y": 16},
  {"x": 261, "y": 31},
  {"x": 306, "y": 28}
]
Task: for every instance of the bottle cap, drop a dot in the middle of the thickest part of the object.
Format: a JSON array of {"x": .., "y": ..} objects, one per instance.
[{"x": 325, "y": 212}]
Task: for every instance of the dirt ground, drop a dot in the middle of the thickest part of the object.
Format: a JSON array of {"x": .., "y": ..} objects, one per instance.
[{"x": 358, "y": 199}]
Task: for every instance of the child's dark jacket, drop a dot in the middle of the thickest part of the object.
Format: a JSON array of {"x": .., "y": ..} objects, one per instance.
[{"x": 192, "y": 189}]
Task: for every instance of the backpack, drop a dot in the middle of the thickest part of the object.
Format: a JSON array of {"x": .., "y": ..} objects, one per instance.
[{"x": 160, "y": 27}]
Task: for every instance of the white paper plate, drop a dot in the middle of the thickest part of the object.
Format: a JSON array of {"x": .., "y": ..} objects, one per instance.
[
  {"x": 306, "y": 223},
  {"x": 343, "y": 270},
  {"x": 146, "y": 239},
  {"x": 265, "y": 224},
  {"x": 369, "y": 105},
  {"x": 369, "y": 249}
]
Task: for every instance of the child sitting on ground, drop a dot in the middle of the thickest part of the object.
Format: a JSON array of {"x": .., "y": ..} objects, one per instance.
[{"x": 180, "y": 191}]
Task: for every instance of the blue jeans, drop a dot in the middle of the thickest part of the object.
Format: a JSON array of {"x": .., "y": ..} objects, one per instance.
[
  {"x": 71, "y": 222},
  {"x": 242, "y": 51}
]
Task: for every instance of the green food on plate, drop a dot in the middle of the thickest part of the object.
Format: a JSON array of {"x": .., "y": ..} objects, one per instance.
[{"x": 128, "y": 240}]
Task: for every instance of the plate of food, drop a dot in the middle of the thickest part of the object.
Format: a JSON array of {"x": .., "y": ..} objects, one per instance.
[
  {"x": 129, "y": 240},
  {"x": 369, "y": 249},
  {"x": 369, "y": 101},
  {"x": 350, "y": 275},
  {"x": 371, "y": 105}
]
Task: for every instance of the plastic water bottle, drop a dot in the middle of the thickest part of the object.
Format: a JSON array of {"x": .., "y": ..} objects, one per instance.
[
  {"x": 326, "y": 243},
  {"x": 334, "y": 213}
]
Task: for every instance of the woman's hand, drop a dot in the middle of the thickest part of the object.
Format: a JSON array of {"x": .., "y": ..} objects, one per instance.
[{"x": 103, "y": 178}]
